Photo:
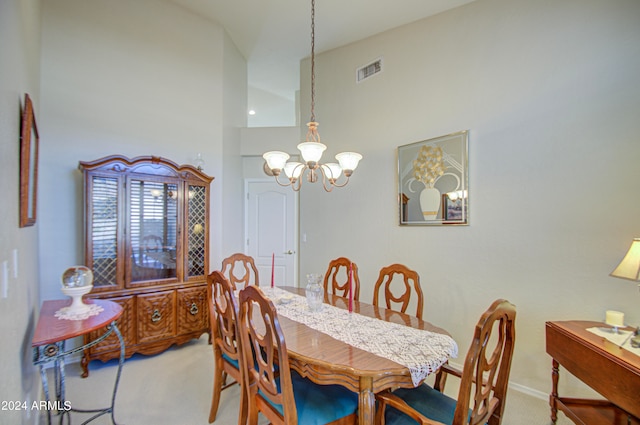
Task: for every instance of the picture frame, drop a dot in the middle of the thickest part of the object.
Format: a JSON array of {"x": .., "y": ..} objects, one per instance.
[
  {"x": 452, "y": 208},
  {"x": 433, "y": 181},
  {"x": 29, "y": 147}
]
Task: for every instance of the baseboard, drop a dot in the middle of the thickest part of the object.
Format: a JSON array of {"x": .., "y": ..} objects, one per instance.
[
  {"x": 528, "y": 391},
  {"x": 517, "y": 387}
]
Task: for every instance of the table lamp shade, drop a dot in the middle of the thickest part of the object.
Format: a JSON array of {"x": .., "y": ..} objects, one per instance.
[{"x": 629, "y": 267}]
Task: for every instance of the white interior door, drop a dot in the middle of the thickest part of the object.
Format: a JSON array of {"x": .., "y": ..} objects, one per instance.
[{"x": 271, "y": 229}]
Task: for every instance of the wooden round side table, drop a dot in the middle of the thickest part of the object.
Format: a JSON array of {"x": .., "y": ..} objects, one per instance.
[{"x": 49, "y": 346}]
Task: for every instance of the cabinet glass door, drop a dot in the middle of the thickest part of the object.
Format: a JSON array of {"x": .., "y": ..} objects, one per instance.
[
  {"x": 153, "y": 230},
  {"x": 196, "y": 216},
  {"x": 103, "y": 229}
]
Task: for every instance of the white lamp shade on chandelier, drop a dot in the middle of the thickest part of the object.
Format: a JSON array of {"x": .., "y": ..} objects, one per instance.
[
  {"x": 311, "y": 151},
  {"x": 348, "y": 161},
  {"x": 276, "y": 160},
  {"x": 332, "y": 170},
  {"x": 293, "y": 169}
]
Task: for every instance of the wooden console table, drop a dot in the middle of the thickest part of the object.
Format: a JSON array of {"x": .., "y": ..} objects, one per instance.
[
  {"x": 604, "y": 366},
  {"x": 49, "y": 346}
]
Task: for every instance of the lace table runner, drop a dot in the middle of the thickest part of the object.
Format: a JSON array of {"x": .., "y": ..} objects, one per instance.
[{"x": 422, "y": 352}]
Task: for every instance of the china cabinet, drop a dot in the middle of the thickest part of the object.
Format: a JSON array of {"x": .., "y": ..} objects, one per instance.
[{"x": 147, "y": 242}]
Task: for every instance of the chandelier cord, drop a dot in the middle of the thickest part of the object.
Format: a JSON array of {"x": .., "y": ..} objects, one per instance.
[{"x": 313, "y": 62}]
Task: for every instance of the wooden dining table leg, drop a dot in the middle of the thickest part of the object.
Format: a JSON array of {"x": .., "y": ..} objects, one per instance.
[{"x": 366, "y": 402}]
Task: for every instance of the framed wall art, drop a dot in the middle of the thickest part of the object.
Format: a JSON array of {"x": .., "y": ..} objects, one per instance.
[
  {"x": 433, "y": 181},
  {"x": 29, "y": 145}
]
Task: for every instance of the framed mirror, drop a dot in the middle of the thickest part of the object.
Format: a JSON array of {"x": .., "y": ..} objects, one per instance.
[
  {"x": 29, "y": 145},
  {"x": 433, "y": 181}
]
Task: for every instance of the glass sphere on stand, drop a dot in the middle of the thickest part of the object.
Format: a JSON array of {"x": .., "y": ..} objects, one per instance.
[{"x": 76, "y": 282}]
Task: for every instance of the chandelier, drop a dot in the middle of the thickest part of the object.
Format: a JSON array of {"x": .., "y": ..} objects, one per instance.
[{"x": 311, "y": 149}]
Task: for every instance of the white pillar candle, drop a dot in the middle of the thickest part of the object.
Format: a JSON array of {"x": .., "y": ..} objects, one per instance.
[{"x": 614, "y": 318}]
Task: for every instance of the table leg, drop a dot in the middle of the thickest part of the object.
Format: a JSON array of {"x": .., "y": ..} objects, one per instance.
[
  {"x": 52, "y": 350},
  {"x": 554, "y": 390},
  {"x": 111, "y": 408},
  {"x": 366, "y": 402},
  {"x": 56, "y": 377},
  {"x": 45, "y": 388},
  {"x": 61, "y": 390},
  {"x": 120, "y": 363}
]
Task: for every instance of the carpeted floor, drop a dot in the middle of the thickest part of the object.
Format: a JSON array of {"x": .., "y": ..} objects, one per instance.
[{"x": 174, "y": 388}]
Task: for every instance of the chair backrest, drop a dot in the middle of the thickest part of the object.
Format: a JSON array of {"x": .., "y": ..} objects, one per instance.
[
  {"x": 151, "y": 243},
  {"x": 265, "y": 357},
  {"x": 223, "y": 311},
  {"x": 398, "y": 293},
  {"x": 488, "y": 362},
  {"x": 245, "y": 263},
  {"x": 336, "y": 279}
]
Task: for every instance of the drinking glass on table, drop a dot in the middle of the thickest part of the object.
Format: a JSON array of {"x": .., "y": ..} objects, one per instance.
[{"x": 314, "y": 291}]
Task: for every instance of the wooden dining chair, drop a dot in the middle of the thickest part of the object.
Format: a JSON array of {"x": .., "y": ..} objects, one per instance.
[
  {"x": 240, "y": 268},
  {"x": 486, "y": 372},
  {"x": 396, "y": 292},
  {"x": 280, "y": 394},
  {"x": 336, "y": 279},
  {"x": 223, "y": 311}
]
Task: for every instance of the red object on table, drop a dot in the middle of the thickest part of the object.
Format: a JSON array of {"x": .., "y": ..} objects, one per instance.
[
  {"x": 273, "y": 259},
  {"x": 350, "y": 287}
]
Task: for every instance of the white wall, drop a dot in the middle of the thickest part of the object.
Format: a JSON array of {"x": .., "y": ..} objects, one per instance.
[
  {"x": 19, "y": 74},
  {"x": 258, "y": 140},
  {"x": 549, "y": 91},
  {"x": 133, "y": 78},
  {"x": 235, "y": 119},
  {"x": 281, "y": 111}
]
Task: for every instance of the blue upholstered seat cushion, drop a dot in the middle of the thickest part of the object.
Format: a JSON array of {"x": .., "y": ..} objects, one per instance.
[
  {"x": 228, "y": 359},
  {"x": 424, "y": 399},
  {"x": 320, "y": 404}
]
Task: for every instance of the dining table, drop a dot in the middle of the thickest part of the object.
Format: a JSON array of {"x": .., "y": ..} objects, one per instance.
[{"x": 366, "y": 349}]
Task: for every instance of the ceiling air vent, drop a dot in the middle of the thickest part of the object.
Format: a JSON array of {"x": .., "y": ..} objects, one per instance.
[{"x": 369, "y": 70}]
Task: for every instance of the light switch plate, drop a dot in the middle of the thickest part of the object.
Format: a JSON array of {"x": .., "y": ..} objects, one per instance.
[
  {"x": 14, "y": 267},
  {"x": 4, "y": 278}
]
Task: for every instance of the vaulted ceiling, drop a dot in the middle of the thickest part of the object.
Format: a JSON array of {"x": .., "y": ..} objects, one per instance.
[{"x": 274, "y": 35}]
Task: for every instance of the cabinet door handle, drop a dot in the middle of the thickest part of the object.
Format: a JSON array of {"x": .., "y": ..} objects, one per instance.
[
  {"x": 156, "y": 316},
  {"x": 194, "y": 309}
]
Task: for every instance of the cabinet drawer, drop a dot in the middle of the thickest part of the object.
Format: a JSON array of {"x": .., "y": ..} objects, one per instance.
[
  {"x": 126, "y": 326},
  {"x": 192, "y": 309},
  {"x": 156, "y": 316}
]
